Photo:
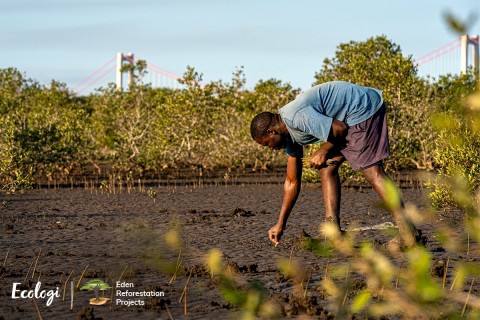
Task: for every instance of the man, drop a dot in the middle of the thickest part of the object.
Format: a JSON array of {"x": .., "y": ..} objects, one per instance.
[{"x": 351, "y": 120}]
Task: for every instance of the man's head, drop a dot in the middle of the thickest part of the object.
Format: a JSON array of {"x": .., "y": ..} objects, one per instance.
[{"x": 268, "y": 130}]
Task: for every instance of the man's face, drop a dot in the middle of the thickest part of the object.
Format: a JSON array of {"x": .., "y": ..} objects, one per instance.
[{"x": 273, "y": 140}]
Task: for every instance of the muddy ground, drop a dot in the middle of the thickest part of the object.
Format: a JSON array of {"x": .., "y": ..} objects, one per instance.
[{"x": 60, "y": 237}]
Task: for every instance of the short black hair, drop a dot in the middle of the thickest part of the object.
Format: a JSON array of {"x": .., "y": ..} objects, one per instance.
[{"x": 260, "y": 124}]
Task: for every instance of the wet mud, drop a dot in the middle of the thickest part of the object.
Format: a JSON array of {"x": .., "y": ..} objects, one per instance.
[{"x": 157, "y": 245}]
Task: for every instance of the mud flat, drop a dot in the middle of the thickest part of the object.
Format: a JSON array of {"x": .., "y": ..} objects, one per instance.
[{"x": 66, "y": 237}]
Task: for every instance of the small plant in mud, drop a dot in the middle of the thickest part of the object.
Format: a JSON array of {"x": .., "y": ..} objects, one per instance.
[
  {"x": 96, "y": 286},
  {"x": 410, "y": 291},
  {"x": 152, "y": 194},
  {"x": 251, "y": 298}
]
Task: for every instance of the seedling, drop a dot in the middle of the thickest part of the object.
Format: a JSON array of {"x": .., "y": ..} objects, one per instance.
[
  {"x": 445, "y": 273},
  {"x": 81, "y": 277},
  {"x": 28, "y": 271},
  {"x": 123, "y": 272},
  {"x": 65, "y": 285},
  {"x": 152, "y": 193},
  {"x": 468, "y": 297},
  {"x": 6, "y": 256},
  {"x": 177, "y": 267},
  {"x": 36, "y": 261}
]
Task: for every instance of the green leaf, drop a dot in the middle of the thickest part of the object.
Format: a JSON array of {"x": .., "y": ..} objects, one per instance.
[{"x": 360, "y": 301}]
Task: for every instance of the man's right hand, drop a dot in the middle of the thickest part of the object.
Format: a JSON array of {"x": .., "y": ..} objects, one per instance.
[
  {"x": 318, "y": 160},
  {"x": 275, "y": 233}
]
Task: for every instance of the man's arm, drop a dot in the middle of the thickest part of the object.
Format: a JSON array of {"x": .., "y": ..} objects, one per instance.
[
  {"x": 338, "y": 133},
  {"x": 291, "y": 190}
]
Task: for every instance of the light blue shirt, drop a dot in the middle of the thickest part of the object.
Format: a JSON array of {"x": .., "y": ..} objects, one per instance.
[{"x": 309, "y": 117}]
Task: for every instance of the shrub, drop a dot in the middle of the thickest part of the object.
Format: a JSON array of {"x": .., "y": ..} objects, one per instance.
[
  {"x": 456, "y": 153},
  {"x": 379, "y": 63}
]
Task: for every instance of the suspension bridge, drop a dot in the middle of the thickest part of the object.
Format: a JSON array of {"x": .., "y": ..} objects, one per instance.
[{"x": 455, "y": 57}]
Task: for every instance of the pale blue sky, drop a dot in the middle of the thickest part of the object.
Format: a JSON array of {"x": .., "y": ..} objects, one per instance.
[{"x": 67, "y": 40}]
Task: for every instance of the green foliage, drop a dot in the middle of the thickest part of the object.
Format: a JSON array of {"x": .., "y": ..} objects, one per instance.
[
  {"x": 202, "y": 126},
  {"x": 376, "y": 62},
  {"x": 422, "y": 286},
  {"x": 14, "y": 172},
  {"x": 379, "y": 63},
  {"x": 121, "y": 125},
  {"x": 206, "y": 126},
  {"x": 456, "y": 152},
  {"x": 450, "y": 91},
  {"x": 410, "y": 291},
  {"x": 251, "y": 298},
  {"x": 41, "y": 129}
]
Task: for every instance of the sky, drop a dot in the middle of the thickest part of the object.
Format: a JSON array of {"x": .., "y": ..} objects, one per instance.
[{"x": 68, "y": 40}]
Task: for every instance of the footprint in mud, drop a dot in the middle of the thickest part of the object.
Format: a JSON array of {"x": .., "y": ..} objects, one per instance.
[{"x": 249, "y": 268}]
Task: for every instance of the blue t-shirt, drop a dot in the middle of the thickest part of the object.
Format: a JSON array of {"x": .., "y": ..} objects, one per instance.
[{"x": 309, "y": 117}]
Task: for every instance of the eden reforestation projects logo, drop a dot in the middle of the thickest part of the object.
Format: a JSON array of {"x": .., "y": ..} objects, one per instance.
[
  {"x": 125, "y": 294},
  {"x": 96, "y": 286}
]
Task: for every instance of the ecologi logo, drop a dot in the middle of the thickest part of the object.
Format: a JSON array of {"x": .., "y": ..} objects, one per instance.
[{"x": 96, "y": 285}]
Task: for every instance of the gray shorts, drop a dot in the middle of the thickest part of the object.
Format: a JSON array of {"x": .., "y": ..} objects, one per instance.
[{"x": 367, "y": 142}]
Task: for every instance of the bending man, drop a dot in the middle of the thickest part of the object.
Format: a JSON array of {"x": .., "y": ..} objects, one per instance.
[{"x": 351, "y": 121}]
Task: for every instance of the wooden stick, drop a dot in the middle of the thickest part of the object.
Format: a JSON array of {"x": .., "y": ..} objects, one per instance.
[
  {"x": 346, "y": 287},
  {"x": 71, "y": 295},
  {"x": 326, "y": 269},
  {"x": 35, "y": 267},
  {"x": 108, "y": 277},
  {"x": 28, "y": 271},
  {"x": 345, "y": 298},
  {"x": 81, "y": 276},
  {"x": 306, "y": 286},
  {"x": 185, "y": 301},
  {"x": 6, "y": 256},
  {"x": 65, "y": 285},
  {"x": 37, "y": 308},
  {"x": 455, "y": 279},
  {"x": 121, "y": 276},
  {"x": 289, "y": 259},
  {"x": 398, "y": 275},
  {"x": 468, "y": 243},
  {"x": 468, "y": 297},
  {"x": 185, "y": 288},
  {"x": 130, "y": 275},
  {"x": 38, "y": 279},
  {"x": 445, "y": 273},
  {"x": 176, "y": 270},
  {"x": 168, "y": 311}
]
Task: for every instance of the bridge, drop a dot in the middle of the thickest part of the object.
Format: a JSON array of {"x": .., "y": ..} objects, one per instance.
[{"x": 451, "y": 58}]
